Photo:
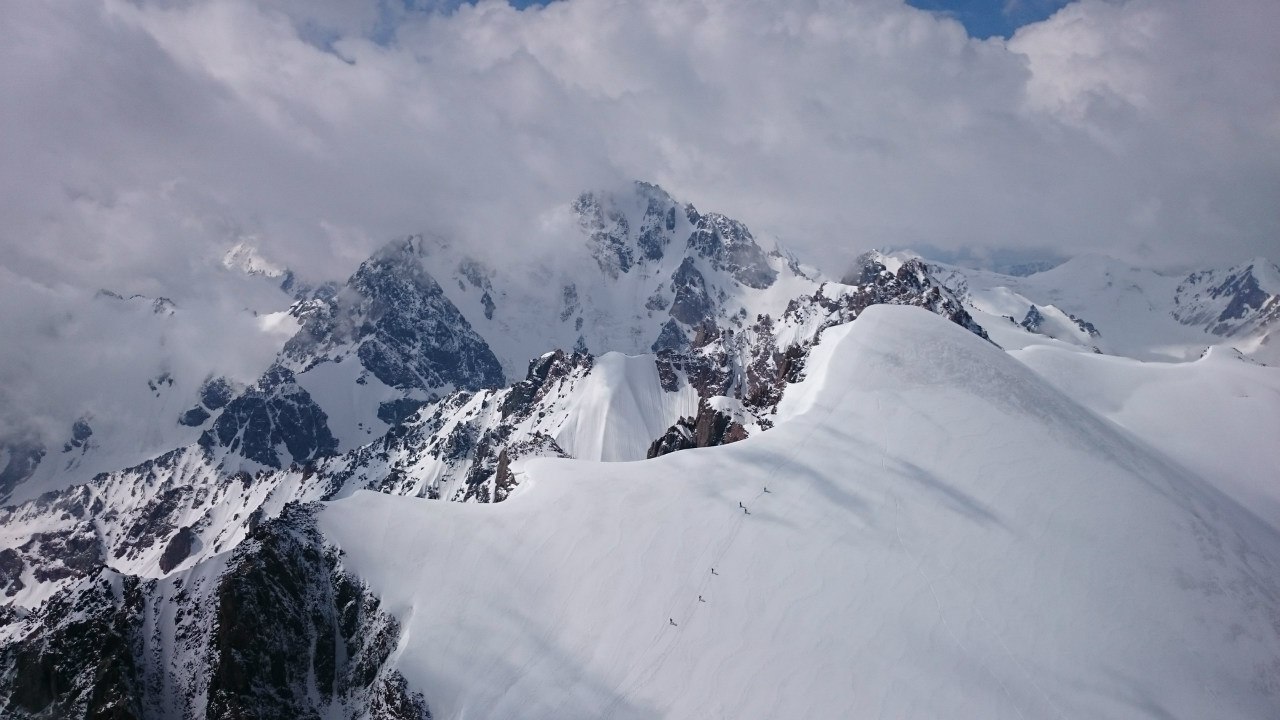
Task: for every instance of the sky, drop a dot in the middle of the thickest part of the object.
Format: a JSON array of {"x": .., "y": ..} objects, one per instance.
[
  {"x": 991, "y": 18},
  {"x": 981, "y": 18},
  {"x": 140, "y": 139}
]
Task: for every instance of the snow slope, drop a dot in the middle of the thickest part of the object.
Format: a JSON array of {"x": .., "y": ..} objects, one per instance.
[
  {"x": 1219, "y": 415},
  {"x": 619, "y": 409},
  {"x": 946, "y": 535}
]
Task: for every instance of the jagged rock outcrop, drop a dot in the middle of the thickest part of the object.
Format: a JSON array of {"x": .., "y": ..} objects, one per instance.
[
  {"x": 77, "y": 656},
  {"x": 11, "y": 569},
  {"x": 461, "y": 444},
  {"x": 1241, "y": 300},
  {"x": 709, "y": 428},
  {"x": 274, "y": 413},
  {"x": 657, "y": 226},
  {"x": 692, "y": 304},
  {"x": 281, "y": 631},
  {"x": 729, "y": 246},
  {"x": 399, "y": 410},
  {"x": 296, "y": 637},
  {"x": 214, "y": 395},
  {"x": 671, "y": 338},
  {"x": 179, "y": 507},
  {"x": 178, "y": 549},
  {"x": 1033, "y": 319},
  {"x": 400, "y": 324},
  {"x": 614, "y": 244},
  {"x": 63, "y": 553},
  {"x": 81, "y": 431},
  {"x": 753, "y": 365},
  {"x": 158, "y": 305},
  {"x": 608, "y": 232},
  {"x": 1085, "y": 326}
]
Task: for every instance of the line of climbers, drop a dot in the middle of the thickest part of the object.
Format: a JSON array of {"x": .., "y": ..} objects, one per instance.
[{"x": 745, "y": 511}]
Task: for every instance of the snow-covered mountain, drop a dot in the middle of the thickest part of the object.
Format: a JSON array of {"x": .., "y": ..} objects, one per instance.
[
  {"x": 1240, "y": 302},
  {"x": 944, "y": 535},
  {"x": 278, "y": 543},
  {"x": 1102, "y": 304}
]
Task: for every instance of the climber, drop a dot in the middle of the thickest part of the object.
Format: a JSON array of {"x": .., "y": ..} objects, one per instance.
[
  {"x": 745, "y": 511},
  {"x": 766, "y": 489},
  {"x": 713, "y": 571},
  {"x": 700, "y": 599},
  {"x": 673, "y": 622}
]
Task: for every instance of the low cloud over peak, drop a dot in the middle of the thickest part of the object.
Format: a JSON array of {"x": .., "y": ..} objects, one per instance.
[{"x": 142, "y": 139}]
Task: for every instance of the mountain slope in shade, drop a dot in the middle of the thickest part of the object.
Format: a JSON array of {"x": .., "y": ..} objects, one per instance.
[
  {"x": 1236, "y": 301},
  {"x": 274, "y": 629},
  {"x": 945, "y": 535}
]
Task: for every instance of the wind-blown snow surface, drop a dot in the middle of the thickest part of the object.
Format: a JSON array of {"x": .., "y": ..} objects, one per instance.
[
  {"x": 1218, "y": 415},
  {"x": 945, "y": 535}
]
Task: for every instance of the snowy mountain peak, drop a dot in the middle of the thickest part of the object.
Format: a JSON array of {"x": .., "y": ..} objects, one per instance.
[
  {"x": 871, "y": 265},
  {"x": 729, "y": 246},
  {"x": 395, "y": 318},
  {"x": 629, "y": 229},
  {"x": 1240, "y": 300},
  {"x": 244, "y": 257},
  {"x": 624, "y": 230},
  {"x": 274, "y": 422}
]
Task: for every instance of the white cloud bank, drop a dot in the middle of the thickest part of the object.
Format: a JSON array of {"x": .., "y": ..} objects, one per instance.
[{"x": 139, "y": 139}]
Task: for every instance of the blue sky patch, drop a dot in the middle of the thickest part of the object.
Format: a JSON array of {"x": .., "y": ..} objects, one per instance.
[{"x": 988, "y": 18}]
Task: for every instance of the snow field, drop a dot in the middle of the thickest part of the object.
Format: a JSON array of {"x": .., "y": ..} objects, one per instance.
[
  {"x": 1219, "y": 415},
  {"x": 946, "y": 536},
  {"x": 619, "y": 408}
]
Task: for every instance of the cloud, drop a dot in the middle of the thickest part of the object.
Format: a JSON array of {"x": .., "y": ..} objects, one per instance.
[
  {"x": 146, "y": 131},
  {"x": 141, "y": 139},
  {"x": 128, "y": 364}
]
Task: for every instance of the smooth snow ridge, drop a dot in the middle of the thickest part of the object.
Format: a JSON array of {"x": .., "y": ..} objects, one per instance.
[
  {"x": 945, "y": 535},
  {"x": 620, "y": 408},
  {"x": 1219, "y": 415}
]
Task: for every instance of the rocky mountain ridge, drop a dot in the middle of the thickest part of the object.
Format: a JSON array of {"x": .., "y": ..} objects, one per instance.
[
  {"x": 270, "y": 445},
  {"x": 194, "y": 572},
  {"x": 1237, "y": 301},
  {"x": 280, "y": 630}
]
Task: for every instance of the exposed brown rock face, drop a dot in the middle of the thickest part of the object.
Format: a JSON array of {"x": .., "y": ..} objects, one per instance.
[
  {"x": 708, "y": 428},
  {"x": 750, "y": 364}
]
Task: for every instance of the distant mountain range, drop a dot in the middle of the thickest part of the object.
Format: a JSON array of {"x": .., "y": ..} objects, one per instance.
[{"x": 191, "y": 557}]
